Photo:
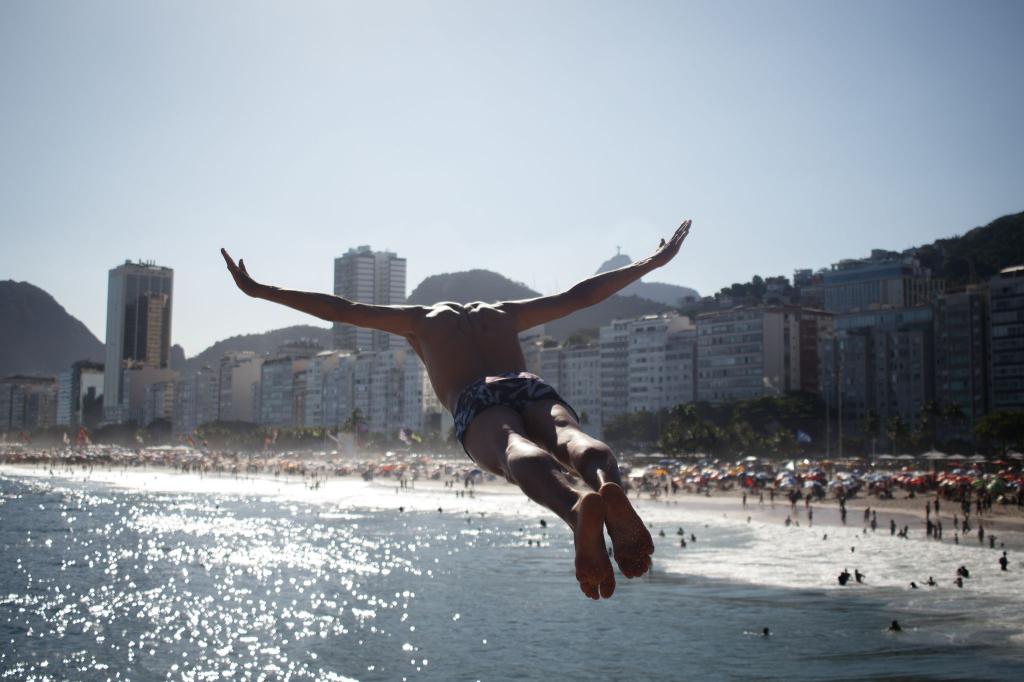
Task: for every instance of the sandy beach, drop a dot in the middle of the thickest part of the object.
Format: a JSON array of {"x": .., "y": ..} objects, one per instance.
[{"x": 1005, "y": 522}]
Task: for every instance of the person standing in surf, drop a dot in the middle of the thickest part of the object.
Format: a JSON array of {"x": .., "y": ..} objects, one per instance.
[{"x": 510, "y": 422}]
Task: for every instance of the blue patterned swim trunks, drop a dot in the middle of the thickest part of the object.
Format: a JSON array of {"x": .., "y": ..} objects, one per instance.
[{"x": 511, "y": 389}]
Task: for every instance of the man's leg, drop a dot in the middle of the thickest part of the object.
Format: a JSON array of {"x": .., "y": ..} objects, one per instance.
[
  {"x": 552, "y": 425},
  {"x": 496, "y": 440}
]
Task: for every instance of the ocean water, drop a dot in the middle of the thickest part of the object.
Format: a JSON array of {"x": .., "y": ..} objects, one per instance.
[{"x": 148, "y": 576}]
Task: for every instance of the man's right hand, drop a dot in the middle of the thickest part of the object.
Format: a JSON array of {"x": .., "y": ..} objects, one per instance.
[{"x": 246, "y": 283}]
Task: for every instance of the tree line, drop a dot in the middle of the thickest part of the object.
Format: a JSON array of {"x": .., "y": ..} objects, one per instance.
[{"x": 795, "y": 425}]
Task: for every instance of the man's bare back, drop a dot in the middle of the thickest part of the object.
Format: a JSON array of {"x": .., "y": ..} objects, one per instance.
[
  {"x": 536, "y": 442},
  {"x": 461, "y": 343}
]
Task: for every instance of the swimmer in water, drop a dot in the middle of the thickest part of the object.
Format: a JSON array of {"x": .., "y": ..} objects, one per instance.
[{"x": 510, "y": 422}]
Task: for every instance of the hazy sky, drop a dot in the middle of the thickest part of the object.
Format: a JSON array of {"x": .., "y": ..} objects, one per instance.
[{"x": 529, "y": 138}]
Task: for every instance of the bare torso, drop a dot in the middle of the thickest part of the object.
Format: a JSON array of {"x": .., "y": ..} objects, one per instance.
[{"x": 460, "y": 343}]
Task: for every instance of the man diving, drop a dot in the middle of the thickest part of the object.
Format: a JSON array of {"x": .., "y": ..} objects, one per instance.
[{"x": 510, "y": 422}]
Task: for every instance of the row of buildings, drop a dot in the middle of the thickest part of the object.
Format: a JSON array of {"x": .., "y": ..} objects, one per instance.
[{"x": 877, "y": 338}]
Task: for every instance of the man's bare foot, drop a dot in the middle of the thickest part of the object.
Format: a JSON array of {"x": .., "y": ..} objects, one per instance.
[
  {"x": 631, "y": 542},
  {"x": 593, "y": 570}
]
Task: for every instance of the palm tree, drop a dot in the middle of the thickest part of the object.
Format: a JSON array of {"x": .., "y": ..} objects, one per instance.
[
  {"x": 871, "y": 428},
  {"x": 953, "y": 413},
  {"x": 896, "y": 429},
  {"x": 355, "y": 424}
]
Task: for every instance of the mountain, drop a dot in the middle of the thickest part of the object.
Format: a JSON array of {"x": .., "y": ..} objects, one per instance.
[
  {"x": 617, "y": 307},
  {"x": 978, "y": 254},
  {"x": 484, "y": 285},
  {"x": 471, "y": 285},
  {"x": 265, "y": 343},
  {"x": 660, "y": 292},
  {"x": 37, "y": 336}
]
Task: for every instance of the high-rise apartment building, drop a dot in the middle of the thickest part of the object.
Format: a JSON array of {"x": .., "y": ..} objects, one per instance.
[
  {"x": 282, "y": 380},
  {"x": 660, "y": 362},
  {"x": 746, "y": 353},
  {"x": 885, "y": 280},
  {"x": 878, "y": 365},
  {"x": 139, "y": 297},
  {"x": 79, "y": 389},
  {"x": 581, "y": 385},
  {"x": 962, "y": 358},
  {"x": 365, "y": 276},
  {"x": 195, "y": 400},
  {"x": 239, "y": 372},
  {"x": 27, "y": 403},
  {"x": 158, "y": 402},
  {"x": 614, "y": 342},
  {"x": 1006, "y": 291}
]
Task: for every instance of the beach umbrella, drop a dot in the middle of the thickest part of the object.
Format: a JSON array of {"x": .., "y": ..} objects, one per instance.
[
  {"x": 905, "y": 458},
  {"x": 886, "y": 457},
  {"x": 933, "y": 455},
  {"x": 997, "y": 486},
  {"x": 976, "y": 458},
  {"x": 1015, "y": 455}
]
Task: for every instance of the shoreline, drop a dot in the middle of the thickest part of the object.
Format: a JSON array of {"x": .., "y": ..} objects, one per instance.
[{"x": 1006, "y": 523}]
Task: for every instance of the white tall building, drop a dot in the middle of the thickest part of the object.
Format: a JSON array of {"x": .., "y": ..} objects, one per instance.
[
  {"x": 239, "y": 372},
  {"x": 338, "y": 381},
  {"x": 136, "y": 383},
  {"x": 660, "y": 356},
  {"x": 158, "y": 402},
  {"x": 282, "y": 380},
  {"x": 366, "y": 276},
  {"x": 387, "y": 387},
  {"x": 613, "y": 340},
  {"x": 581, "y": 385},
  {"x": 195, "y": 400},
  {"x": 139, "y": 297}
]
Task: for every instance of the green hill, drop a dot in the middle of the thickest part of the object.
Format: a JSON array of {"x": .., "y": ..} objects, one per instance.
[
  {"x": 978, "y": 254},
  {"x": 37, "y": 336}
]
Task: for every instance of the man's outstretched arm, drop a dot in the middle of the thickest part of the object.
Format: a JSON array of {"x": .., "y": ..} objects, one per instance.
[
  {"x": 393, "y": 319},
  {"x": 532, "y": 312}
]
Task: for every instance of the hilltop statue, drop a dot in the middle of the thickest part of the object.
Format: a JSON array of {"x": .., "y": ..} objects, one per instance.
[{"x": 510, "y": 422}]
